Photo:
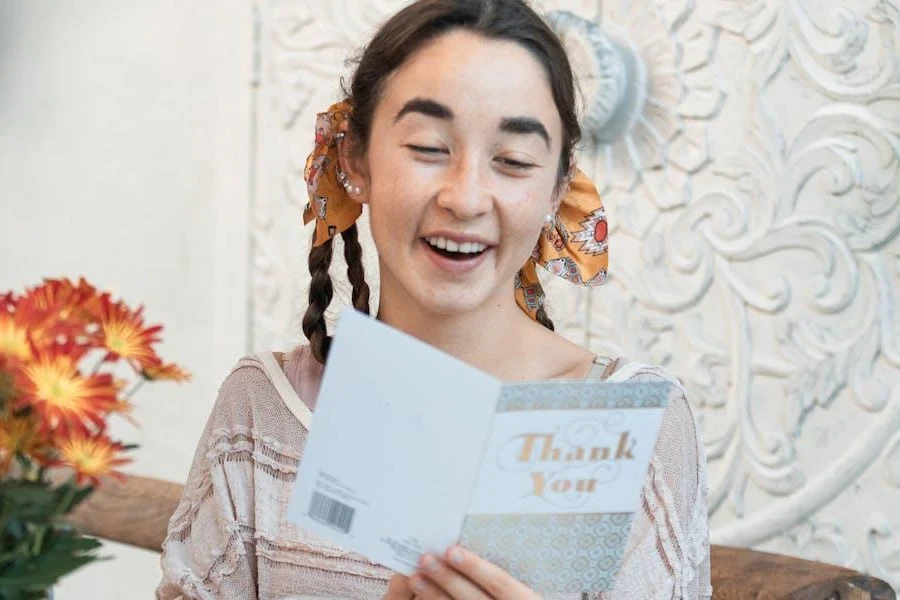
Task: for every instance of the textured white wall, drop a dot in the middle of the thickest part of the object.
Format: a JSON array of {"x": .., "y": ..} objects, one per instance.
[{"x": 124, "y": 149}]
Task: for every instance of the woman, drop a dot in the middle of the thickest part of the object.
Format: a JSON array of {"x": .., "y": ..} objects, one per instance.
[{"x": 458, "y": 133}]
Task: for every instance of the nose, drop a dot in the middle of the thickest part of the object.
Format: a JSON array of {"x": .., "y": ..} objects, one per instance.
[{"x": 464, "y": 191}]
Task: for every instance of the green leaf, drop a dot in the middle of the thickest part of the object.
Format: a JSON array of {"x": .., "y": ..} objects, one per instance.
[
  {"x": 36, "y": 547},
  {"x": 33, "y": 501},
  {"x": 16, "y": 527},
  {"x": 63, "y": 550},
  {"x": 69, "y": 495}
]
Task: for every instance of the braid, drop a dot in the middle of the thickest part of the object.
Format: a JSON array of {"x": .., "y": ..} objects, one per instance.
[
  {"x": 355, "y": 272},
  {"x": 321, "y": 291},
  {"x": 544, "y": 320},
  {"x": 541, "y": 314}
]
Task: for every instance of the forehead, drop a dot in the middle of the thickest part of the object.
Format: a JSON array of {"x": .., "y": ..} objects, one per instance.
[{"x": 476, "y": 77}]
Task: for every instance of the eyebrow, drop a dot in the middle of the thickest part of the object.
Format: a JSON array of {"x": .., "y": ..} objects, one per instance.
[
  {"x": 431, "y": 108},
  {"x": 526, "y": 125},
  {"x": 427, "y": 107}
]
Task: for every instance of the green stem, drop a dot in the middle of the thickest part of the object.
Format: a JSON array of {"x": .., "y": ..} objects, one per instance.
[
  {"x": 29, "y": 471},
  {"x": 39, "y": 540},
  {"x": 99, "y": 364},
  {"x": 70, "y": 495},
  {"x": 138, "y": 384}
]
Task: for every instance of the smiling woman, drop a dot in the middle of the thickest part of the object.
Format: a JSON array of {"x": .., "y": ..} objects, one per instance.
[
  {"x": 471, "y": 163},
  {"x": 457, "y": 133},
  {"x": 492, "y": 170}
]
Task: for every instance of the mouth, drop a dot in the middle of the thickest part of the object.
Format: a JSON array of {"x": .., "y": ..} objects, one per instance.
[
  {"x": 453, "y": 250},
  {"x": 456, "y": 257}
]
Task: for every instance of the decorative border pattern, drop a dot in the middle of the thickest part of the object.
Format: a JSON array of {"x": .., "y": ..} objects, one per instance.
[{"x": 585, "y": 396}]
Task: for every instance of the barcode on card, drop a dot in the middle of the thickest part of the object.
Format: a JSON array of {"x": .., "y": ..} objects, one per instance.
[{"x": 331, "y": 512}]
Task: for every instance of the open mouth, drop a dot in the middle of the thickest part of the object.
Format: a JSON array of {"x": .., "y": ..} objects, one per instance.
[{"x": 455, "y": 251}]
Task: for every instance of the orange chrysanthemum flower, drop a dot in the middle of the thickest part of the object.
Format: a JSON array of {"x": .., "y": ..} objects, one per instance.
[
  {"x": 20, "y": 435},
  {"x": 8, "y": 302},
  {"x": 14, "y": 342},
  {"x": 91, "y": 456},
  {"x": 165, "y": 372},
  {"x": 13, "y": 333},
  {"x": 123, "y": 334},
  {"x": 58, "y": 310},
  {"x": 7, "y": 381},
  {"x": 62, "y": 398}
]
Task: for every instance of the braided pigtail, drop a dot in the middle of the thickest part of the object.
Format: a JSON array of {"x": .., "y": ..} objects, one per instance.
[
  {"x": 321, "y": 291},
  {"x": 542, "y": 318},
  {"x": 541, "y": 313},
  {"x": 355, "y": 272}
]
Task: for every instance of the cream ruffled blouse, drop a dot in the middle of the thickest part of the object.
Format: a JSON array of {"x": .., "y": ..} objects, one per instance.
[{"x": 228, "y": 538}]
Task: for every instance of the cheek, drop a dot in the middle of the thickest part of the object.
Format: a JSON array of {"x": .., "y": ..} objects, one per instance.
[
  {"x": 393, "y": 208},
  {"x": 525, "y": 217},
  {"x": 522, "y": 225}
]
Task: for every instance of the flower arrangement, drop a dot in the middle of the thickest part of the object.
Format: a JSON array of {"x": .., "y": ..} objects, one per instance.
[{"x": 53, "y": 415}]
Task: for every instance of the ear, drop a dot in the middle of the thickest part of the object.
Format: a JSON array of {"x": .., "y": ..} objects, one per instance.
[
  {"x": 352, "y": 163},
  {"x": 562, "y": 188}
]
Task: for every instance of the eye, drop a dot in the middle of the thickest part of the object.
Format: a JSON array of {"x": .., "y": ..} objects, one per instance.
[
  {"x": 427, "y": 150},
  {"x": 515, "y": 164}
]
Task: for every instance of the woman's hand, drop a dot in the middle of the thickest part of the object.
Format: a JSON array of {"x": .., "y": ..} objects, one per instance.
[
  {"x": 461, "y": 575},
  {"x": 398, "y": 589}
]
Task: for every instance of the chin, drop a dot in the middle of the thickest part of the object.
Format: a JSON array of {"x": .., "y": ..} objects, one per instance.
[{"x": 454, "y": 303}]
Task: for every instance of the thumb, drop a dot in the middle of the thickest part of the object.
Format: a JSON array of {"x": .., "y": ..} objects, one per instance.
[{"x": 398, "y": 588}]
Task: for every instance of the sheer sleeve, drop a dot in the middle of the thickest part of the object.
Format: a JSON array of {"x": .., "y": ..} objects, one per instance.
[
  {"x": 207, "y": 553},
  {"x": 667, "y": 555},
  {"x": 230, "y": 536}
]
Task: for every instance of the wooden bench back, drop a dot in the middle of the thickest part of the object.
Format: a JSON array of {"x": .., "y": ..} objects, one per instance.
[{"x": 137, "y": 512}]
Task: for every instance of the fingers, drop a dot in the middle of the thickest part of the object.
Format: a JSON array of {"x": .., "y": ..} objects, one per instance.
[
  {"x": 442, "y": 581},
  {"x": 425, "y": 589},
  {"x": 398, "y": 589},
  {"x": 490, "y": 578}
]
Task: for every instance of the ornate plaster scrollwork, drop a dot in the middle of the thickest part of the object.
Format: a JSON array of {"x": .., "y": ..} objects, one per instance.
[
  {"x": 649, "y": 88},
  {"x": 749, "y": 156}
]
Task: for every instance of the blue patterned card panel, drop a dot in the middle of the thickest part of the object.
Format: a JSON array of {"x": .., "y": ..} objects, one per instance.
[
  {"x": 587, "y": 395},
  {"x": 563, "y": 552},
  {"x": 554, "y": 553}
]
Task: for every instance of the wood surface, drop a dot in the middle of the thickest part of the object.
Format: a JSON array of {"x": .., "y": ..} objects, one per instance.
[{"x": 137, "y": 512}]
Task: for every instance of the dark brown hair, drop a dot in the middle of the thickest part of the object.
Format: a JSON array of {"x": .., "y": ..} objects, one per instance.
[{"x": 394, "y": 43}]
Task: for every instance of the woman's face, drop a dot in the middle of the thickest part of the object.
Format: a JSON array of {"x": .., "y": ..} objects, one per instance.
[{"x": 462, "y": 168}]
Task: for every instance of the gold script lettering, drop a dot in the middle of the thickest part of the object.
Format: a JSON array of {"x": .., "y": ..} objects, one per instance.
[
  {"x": 621, "y": 451},
  {"x": 539, "y": 482}
]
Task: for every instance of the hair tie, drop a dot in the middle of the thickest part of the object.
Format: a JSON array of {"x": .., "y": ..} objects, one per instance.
[{"x": 329, "y": 204}]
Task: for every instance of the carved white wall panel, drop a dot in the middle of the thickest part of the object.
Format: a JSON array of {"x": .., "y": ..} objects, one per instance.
[{"x": 749, "y": 155}]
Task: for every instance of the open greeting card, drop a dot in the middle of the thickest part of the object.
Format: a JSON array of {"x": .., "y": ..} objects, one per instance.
[{"x": 412, "y": 451}]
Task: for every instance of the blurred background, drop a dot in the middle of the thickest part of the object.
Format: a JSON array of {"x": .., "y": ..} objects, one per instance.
[{"x": 749, "y": 156}]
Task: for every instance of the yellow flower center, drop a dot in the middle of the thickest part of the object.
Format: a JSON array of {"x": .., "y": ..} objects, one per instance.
[
  {"x": 13, "y": 340},
  {"x": 88, "y": 463},
  {"x": 121, "y": 339},
  {"x": 88, "y": 456},
  {"x": 57, "y": 387}
]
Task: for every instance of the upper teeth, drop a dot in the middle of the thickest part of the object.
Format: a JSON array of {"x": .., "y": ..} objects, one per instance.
[{"x": 451, "y": 246}]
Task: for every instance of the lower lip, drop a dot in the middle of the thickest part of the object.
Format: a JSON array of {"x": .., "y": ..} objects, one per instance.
[{"x": 454, "y": 266}]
